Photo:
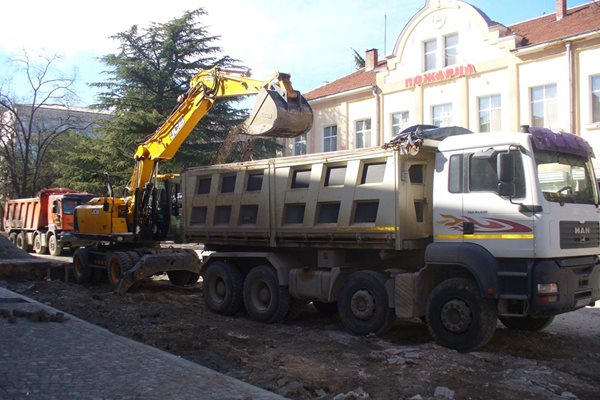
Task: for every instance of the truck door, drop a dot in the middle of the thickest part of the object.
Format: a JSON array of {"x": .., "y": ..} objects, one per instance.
[{"x": 498, "y": 223}]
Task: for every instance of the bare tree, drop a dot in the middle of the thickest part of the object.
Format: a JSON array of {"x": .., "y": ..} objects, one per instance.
[{"x": 29, "y": 126}]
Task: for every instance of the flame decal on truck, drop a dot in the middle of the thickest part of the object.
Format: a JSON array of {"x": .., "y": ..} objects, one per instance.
[{"x": 485, "y": 228}]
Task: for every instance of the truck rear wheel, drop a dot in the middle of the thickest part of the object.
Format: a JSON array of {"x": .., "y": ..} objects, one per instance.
[
  {"x": 363, "y": 304},
  {"x": 264, "y": 299},
  {"x": 13, "y": 238},
  {"x": 526, "y": 323},
  {"x": 37, "y": 245},
  {"x": 458, "y": 316},
  {"x": 118, "y": 263},
  {"x": 21, "y": 241},
  {"x": 223, "y": 288},
  {"x": 54, "y": 246},
  {"x": 81, "y": 267}
]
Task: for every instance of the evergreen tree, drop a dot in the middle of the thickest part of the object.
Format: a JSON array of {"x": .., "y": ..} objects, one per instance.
[{"x": 152, "y": 68}]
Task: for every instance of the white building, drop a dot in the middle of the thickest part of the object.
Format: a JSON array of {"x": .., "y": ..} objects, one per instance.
[{"x": 452, "y": 65}]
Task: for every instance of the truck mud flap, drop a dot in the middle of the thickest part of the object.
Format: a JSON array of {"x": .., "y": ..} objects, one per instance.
[{"x": 151, "y": 264}]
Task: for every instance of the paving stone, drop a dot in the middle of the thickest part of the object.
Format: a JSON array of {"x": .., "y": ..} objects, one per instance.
[{"x": 75, "y": 359}]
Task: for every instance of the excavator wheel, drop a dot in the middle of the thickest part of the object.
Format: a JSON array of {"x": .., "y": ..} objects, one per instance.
[
  {"x": 117, "y": 263},
  {"x": 81, "y": 267}
]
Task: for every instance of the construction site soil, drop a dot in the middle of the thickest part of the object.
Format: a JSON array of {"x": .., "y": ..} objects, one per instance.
[{"x": 312, "y": 357}]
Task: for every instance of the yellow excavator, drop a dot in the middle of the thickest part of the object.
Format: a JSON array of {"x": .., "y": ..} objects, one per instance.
[{"x": 124, "y": 230}]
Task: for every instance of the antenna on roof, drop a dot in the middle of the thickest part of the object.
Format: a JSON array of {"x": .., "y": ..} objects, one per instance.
[{"x": 385, "y": 34}]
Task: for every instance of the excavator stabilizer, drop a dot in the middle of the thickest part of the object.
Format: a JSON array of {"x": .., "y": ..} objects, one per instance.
[{"x": 274, "y": 116}]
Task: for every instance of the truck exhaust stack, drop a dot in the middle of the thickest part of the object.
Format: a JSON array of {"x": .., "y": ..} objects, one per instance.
[{"x": 275, "y": 116}]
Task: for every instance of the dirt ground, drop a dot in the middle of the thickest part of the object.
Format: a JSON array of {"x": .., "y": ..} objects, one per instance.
[{"x": 314, "y": 358}]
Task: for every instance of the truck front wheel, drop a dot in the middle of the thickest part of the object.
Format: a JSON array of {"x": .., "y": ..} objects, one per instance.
[
  {"x": 264, "y": 299},
  {"x": 81, "y": 267},
  {"x": 363, "y": 304},
  {"x": 222, "y": 288},
  {"x": 526, "y": 323},
  {"x": 54, "y": 246},
  {"x": 37, "y": 245},
  {"x": 458, "y": 316}
]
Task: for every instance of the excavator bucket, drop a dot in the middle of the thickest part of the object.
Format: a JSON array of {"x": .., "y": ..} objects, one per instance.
[{"x": 274, "y": 116}]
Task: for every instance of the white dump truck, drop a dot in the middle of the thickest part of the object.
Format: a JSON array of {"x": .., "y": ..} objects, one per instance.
[{"x": 458, "y": 230}]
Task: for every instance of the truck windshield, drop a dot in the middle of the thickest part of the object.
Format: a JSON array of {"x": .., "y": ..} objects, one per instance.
[
  {"x": 68, "y": 206},
  {"x": 565, "y": 178}
]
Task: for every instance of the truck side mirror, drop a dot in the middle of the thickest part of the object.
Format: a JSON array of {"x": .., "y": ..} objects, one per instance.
[
  {"x": 54, "y": 209},
  {"x": 105, "y": 206},
  {"x": 506, "y": 174}
]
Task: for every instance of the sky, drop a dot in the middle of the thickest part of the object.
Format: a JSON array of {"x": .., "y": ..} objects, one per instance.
[{"x": 313, "y": 40}]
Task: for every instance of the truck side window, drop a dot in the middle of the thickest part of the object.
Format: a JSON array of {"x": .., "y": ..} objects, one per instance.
[
  {"x": 483, "y": 176},
  {"x": 455, "y": 175}
]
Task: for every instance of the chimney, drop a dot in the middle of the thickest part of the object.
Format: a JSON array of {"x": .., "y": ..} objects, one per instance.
[
  {"x": 371, "y": 59},
  {"x": 561, "y": 9}
]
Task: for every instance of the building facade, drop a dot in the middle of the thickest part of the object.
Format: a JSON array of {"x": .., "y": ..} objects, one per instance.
[{"x": 452, "y": 65}]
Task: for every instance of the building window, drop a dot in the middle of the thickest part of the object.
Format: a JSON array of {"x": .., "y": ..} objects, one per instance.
[
  {"x": 363, "y": 133},
  {"x": 429, "y": 54},
  {"x": 300, "y": 145},
  {"x": 330, "y": 138},
  {"x": 544, "y": 106},
  {"x": 399, "y": 122},
  {"x": 596, "y": 98},
  {"x": 489, "y": 113},
  {"x": 441, "y": 115},
  {"x": 450, "y": 49}
]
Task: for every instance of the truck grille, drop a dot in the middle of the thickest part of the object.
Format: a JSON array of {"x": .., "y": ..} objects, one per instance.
[{"x": 577, "y": 235}]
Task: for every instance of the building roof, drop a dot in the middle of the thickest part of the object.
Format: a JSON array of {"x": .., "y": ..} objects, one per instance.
[
  {"x": 578, "y": 20},
  {"x": 355, "y": 80}
]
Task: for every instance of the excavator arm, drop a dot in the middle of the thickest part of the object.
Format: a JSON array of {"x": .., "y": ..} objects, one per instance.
[{"x": 280, "y": 111}]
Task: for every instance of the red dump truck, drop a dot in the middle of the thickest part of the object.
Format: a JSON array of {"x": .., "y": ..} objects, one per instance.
[{"x": 43, "y": 222}]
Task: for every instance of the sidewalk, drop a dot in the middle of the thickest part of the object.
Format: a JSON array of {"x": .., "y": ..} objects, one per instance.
[{"x": 77, "y": 360}]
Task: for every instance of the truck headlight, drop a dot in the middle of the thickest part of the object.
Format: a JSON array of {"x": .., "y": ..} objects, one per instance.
[{"x": 547, "y": 292}]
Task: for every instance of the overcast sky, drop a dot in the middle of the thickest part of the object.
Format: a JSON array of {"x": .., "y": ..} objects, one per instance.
[{"x": 311, "y": 39}]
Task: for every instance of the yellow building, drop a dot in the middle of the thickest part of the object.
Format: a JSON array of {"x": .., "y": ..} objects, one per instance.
[{"x": 452, "y": 65}]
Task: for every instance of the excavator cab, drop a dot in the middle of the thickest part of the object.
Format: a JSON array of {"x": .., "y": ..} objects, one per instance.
[{"x": 279, "y": 113}]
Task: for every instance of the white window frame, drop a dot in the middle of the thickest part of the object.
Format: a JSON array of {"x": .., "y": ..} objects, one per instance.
[
  {"x": 450, "y": 51},
  {"x": 362, "y": 133},
  {"x": 430, "y": 55},
  {"x": 330, "y": 138},
  {"x": 595, "y": 98},
  {"x": 493, "y": 112},
  {"x": 445, "y": 115},
  {"x": 400, "y": 121},
  {"x": 549, "y": 104},
  {"x": 299, "y": 145}
]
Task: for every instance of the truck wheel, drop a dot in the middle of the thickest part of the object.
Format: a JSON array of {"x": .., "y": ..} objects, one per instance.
[
  {"x": 363, "y": 304},
  {"x": 37, "y": 245},
  {"x": 21, "y": 241},
  {"x": 264, "y": 299},
  {"x": 13, "y": 238},
  {"x": 81, "y": 267},
  {"x": 458, "y": 317},
  {"x": 526, "y": 323},
  {"x": 326, "y": 308},
  {"x": 118, "y": 262},
  {"x": 54, "y": 247},
  {"x": 182, "y": 278},
  {"x": 223, "y": 288}
]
